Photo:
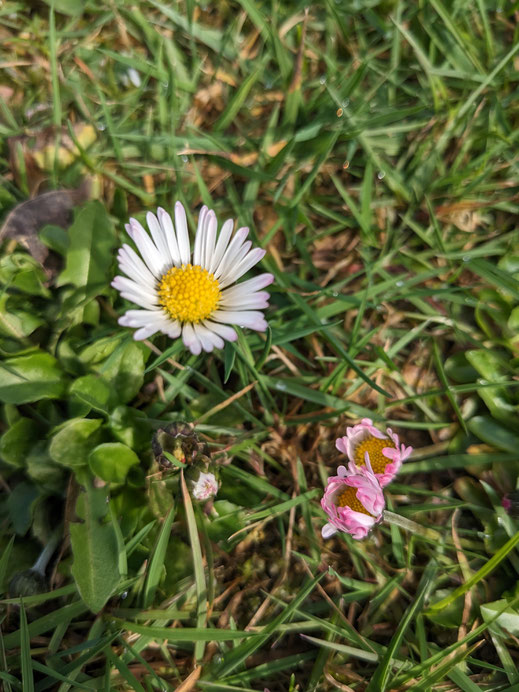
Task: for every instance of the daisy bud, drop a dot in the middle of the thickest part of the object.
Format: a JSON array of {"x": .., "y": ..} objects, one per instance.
[
  {"x": 179, "y": 440},
  {"x": 510, "y": 502}
]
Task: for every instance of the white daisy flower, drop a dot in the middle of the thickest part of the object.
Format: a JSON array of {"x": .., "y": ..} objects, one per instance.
[{"x": 191, "y": 295}]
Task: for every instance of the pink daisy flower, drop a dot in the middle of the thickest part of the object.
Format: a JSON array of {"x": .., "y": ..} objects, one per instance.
[
  {"x": 354, "y": 502},
  {"x": 386, "y": 453}
]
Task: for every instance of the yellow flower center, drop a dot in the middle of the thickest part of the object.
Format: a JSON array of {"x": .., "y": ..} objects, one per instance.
[
  {"x": 188, "y": 293},
  {"x": 373, "y": 446},
  {"x": 348, "y": 498}
]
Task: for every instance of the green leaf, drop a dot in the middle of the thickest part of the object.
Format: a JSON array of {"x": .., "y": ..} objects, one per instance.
[
  {"x": 379, "y": 679},
  {"x": 29, "y": 378},
  {"x": 111, "y": 461},
  {"x": 198, "y": 566},
  {"x": 23, "y": 272},
  {"x": 493, "y": 433},
  {"x": 71, "y": 445},
  {"x": 487, "y": 569},
  {"x": 4, "y": 561},
  {"x": 20, "y": 505},
  {"x": 16, "y": 323},
  {"x": 507, "y": 619},
  {"x": 25, "y": 653},
  {"x": 69, "y": 7},
  {"x": 130, "y": 426},
  {"x": 89, "y": 256},
  {"x": 93, "y": 391},
  {"x": 95, "y": 549},
  {"x": 124, "y": 370},
  {"x": 156, "y": 563},
  {"x": 55, "y": 238},
  {"x": 493, "y": 368},
  {"x": 17, "y": 441},
  {"x": 43, "y": 470},
  {"x": 186, "y": 634}
]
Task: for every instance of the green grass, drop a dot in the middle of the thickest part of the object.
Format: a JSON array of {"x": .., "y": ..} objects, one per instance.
[{"x": 372, "y": 149}]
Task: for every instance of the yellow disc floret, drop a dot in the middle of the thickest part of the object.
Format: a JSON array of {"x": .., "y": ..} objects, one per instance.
[
  {"x": 373, "y": 446},
  {"x": 188, "y": 293},
  {"x": 348, "y": 498}
]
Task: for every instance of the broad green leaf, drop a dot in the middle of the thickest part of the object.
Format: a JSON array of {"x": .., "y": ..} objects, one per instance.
[
  {"x": 23, "y": 272},
  {"x": 16, "y": 442},
  {"x": 4, "y": 561},
  {"x": 89, "y": 256},
  {"x": 130, "y": 426},
  {"x": 507, "y": 619},
  {"x": 95, "y": 549},
  {"x": 20, "y": 505},
  {"x": 29, "y": 378},
  {"x": 14, "y": 322},
  {"x": 493, "y": 433},
  {"x": 124, "y": 370},
  {"x": 55, "y": 238},
  {"x": 494, "y": 368},
  {"x": 92, "y": 391},
  {"x": 43, "y": 470},
  {"x": 100, "y": 350},
  {"x": 71, "y": 445},
  {"x": 111, "y": 461}
]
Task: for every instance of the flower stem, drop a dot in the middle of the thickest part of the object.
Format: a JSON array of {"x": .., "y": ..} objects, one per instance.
[
  {"x": 41, "y": 563},
  {"x": 412, "y": 526}
]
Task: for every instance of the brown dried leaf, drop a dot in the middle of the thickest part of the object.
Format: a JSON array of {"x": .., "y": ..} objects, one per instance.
[
  {"x": 25, "y": 221},
  {"x": 463, "y": 215}
]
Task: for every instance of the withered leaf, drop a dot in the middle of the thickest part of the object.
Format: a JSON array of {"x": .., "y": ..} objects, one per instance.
[{"x": 25, "y": 221}]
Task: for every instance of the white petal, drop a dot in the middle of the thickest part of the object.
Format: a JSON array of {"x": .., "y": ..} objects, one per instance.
[
  {"x": 328, "y": 530},
  {"x": 173, "y": 329},
  {"x": 202, "y": 335},
  {"x": 129, "y": 261},
  {"x": 146, "y": 247},
  {"x": 247, "y": 318},
  {"x": 241, "y": 290},
  {"x": 200, "y": 236},
  {"x": 207, "y": 336},
  {"x": 248, "y": 301},
  {"x": 140, "y": 318},
  {"x": 226, "y": 266},
  {"x": 221, "y": 245},
  {"x": 256, "y": 283},
  {"x": 182, "y": 233},
  {"x": 145, "y": 332},
  {"x": 121, "y": 283},
  {"x": 247, "y": 263},
  {"x": 222, "y": 330},
  {"x": 138, "y": 299},
  {"x": 171, "y": 237},
  {"x": 190, "y": 340},
  {"x": 210, "y": 238},
  {"x": 232, "y": 250},
  {"x": 159, "y": 237}
]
